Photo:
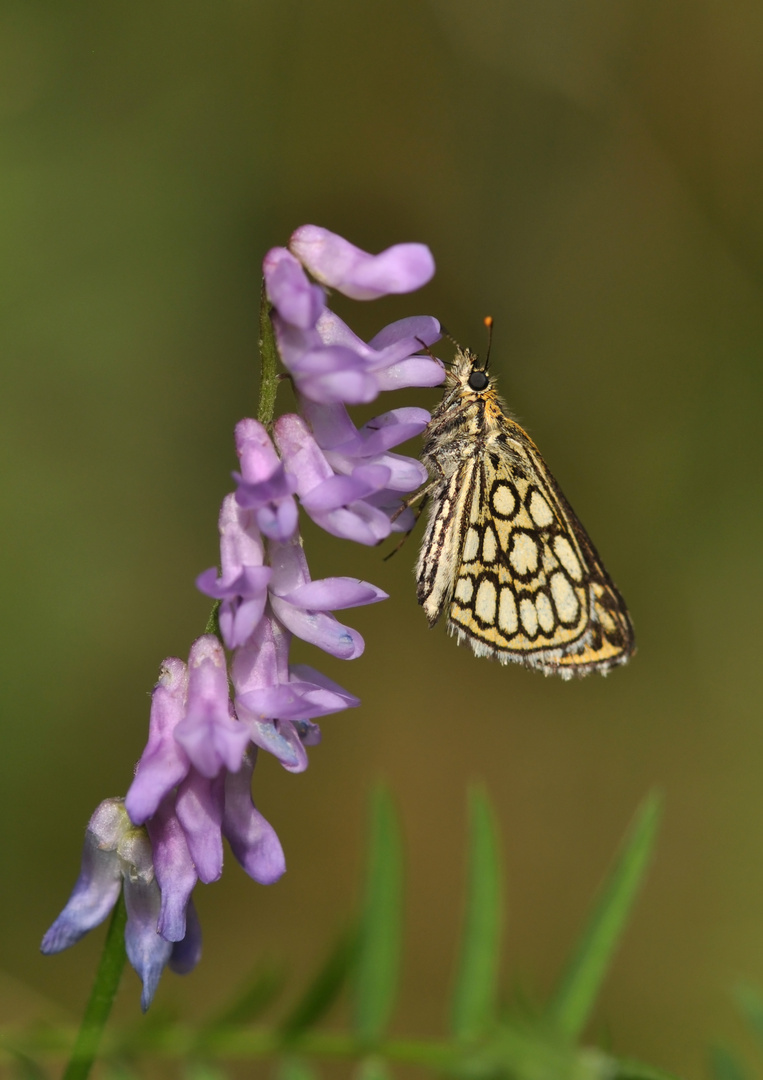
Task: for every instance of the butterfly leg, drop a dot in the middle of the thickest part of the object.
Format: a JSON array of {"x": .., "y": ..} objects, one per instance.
[{"x": 406, "y": 534}]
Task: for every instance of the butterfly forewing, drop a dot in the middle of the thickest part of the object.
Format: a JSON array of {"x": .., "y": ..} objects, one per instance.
[{"x": 504, "y": 554}]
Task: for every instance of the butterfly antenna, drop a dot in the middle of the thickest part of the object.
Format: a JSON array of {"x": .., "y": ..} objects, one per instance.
[
  {"x": 488, "y": 321},
  {"x": 450, "y": 338}
]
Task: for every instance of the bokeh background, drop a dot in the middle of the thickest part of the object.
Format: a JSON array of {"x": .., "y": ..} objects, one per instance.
[{"x": 588, "y": 173}]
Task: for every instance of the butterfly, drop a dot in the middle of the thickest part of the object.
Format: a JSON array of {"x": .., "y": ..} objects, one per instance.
[{"x": 504, "y": 555}]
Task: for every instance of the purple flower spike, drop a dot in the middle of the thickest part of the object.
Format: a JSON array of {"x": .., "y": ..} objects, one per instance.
[
  {"x": 163, "y": 763},
  {"x": 210, "y": 736},
  {"x": 242, "y": 585},
  {"x": 253, "y": 841},
  {"x": 340, "y": 265},
  {"x": 263, "y": 484}
]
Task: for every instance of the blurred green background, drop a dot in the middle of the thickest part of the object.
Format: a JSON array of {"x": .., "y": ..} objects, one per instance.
[{"x": 588, "y": 173}]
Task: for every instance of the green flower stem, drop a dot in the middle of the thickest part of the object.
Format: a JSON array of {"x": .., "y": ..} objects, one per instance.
[
  {"x": 101, "y": 997},
  {"x": 268, "y": 363}
]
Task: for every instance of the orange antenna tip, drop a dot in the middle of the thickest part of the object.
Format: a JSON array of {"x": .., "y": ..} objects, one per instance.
[{"x": 488, "y": 321}]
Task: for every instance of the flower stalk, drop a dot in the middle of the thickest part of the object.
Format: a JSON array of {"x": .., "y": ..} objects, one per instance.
[
  {"x": 239, "y": 693},
  {"x": 102, "y": 996}
]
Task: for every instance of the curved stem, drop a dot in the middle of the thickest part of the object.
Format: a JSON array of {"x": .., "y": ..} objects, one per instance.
[
  {"x": 268, "y": 363},
  {"x": 101, "y": 997}
]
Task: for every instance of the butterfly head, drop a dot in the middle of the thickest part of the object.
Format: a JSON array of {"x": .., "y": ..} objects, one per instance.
[{"x": 470, "y": 375}]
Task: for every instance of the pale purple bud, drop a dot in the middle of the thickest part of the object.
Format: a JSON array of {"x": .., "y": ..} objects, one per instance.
[
  {"x": 340, "y": 265},
  {"x": 174, "y": 867},
  {"x": 314, "y": 625},
  {"x": 252, "y": 839},
  {"x": 389, "y": 356},
  {"x": 289, "y": 290},
  {"x": 263, "y": 484},
  {"x": 210, "y": 736},
  {"x": 164, "y": 762},
  {"x": 187, "y": 953},
  {"x": 199, "y": 809},
  {"x": 335, "y": 503},
  {"x": 116, "y": 853},
  {"x": 242, "y": 585}
]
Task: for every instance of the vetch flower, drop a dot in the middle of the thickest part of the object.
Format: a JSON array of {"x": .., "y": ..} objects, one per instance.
[
  {"x": 277, "y": 701},
  {"x": 339, "y": 504},
  {"x": 195, "y": 743},
  {"x": 337, "y": 263},
  {"x": 263, "y": 484},
  {"x": 242, "y": 585},
  {"x": 209, "y": 733},
  {"x": 118, "y": 855},
  {"x": 327, "y": 361}
]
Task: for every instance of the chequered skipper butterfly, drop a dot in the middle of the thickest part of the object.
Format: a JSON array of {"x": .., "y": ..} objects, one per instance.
[{"x": 503, "y": 553}]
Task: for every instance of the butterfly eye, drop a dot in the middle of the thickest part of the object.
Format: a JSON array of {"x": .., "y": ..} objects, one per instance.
[{"x": 478, "y": 380}]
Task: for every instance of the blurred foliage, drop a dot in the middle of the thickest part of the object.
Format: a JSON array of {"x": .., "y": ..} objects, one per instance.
[{"x": 487, "y": 1039}]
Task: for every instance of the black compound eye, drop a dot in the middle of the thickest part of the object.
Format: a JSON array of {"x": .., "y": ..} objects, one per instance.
[{"x": 478, "y": 380}]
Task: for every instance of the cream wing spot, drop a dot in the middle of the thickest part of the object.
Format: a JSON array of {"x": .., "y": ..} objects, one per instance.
[
  {"x": 568, "y": 558},
  {"x": 529, "y": 616},
  {"x": 565, "y": 600},
  {"x": 471, "y": 544},
  {"x": 508, "y": 620},
  {"x": 489, "y": 545},
  {"x": 504, "y": 501},
  {"x": 540, "y": 511},
  {"x": 464, "y": 589},
  {"x": 545, "y": 613},
  {"x": 524, "y": 554},
  {"x": 485, "y": 602}
]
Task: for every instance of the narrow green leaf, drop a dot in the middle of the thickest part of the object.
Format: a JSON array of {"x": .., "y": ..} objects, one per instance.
[
  {"x": 372, "y": 1068},
  {"x": 380, "y": 924},
  {"x": 582, "y": 977},
  {"x": 250, "y": 1001},
  {"x": 295, "y": 1068},
  {"x": 750, "y": 1001},
  {"x": 636, "y": 1070},
  {"x": 325, "y": 987},
  {"x": 197, "y": 1069},
  {"x": 474, "y": 998},
  {"x": 724, "y": 1066}
]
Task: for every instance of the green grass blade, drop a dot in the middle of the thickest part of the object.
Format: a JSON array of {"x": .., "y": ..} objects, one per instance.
[
  {"x": 474, "y": 998},
  {"x": 750, "y": 1002},
  {"x": 724, "y": 1066},
  {"x": 325, "y": 987},
  {"x": 380, "y": 925},
  {"x": 574, "y": 997}
]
